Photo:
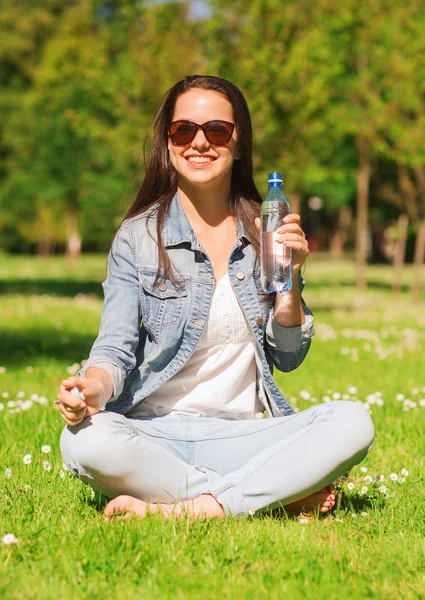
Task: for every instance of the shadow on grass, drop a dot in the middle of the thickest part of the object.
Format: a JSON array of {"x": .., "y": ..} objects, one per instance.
[
  {"x": 53, "y": 287},
  {"x": 371, "y": 285},
  {"x": 17, "y": 348}
]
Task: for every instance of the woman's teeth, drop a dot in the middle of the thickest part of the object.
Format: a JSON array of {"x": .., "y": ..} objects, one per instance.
[{"x": 199, "y": 159}]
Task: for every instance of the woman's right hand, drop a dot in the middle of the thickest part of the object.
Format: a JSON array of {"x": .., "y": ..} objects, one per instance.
[{"x": 73, "y": 408}]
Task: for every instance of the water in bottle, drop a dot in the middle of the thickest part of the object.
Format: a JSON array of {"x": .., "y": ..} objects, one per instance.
[{"x": 276, "y": 258}]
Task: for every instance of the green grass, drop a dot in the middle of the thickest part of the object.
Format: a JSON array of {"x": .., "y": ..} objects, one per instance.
[{"x": 49, "y": 316}]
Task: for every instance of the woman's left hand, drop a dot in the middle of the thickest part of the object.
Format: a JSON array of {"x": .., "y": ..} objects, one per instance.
[{"x": 291, "y": 234}]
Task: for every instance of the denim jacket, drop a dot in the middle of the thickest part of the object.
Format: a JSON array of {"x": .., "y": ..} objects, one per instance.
[{"x": 149, "y": 331}]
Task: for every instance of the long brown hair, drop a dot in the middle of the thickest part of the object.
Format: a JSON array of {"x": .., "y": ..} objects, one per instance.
[{"x": 160, "y": 181}]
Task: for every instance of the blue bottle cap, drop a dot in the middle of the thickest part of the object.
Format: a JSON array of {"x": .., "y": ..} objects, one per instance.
[{"x": 275, "y": 178}]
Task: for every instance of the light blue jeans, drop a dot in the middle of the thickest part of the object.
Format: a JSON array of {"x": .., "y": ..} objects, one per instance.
[{"x": 245, "y": 464}]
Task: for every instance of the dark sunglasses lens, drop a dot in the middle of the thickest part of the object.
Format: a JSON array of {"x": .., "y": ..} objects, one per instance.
[
  {"x": 218, "y": 132},
  {"x": 182, "y": 132}
]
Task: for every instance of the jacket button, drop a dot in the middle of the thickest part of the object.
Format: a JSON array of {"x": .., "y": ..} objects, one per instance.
[
  {"x": 163, "y": 287},
  {"x": 240, "y": 275},
  {"x": 260, "y": 321}
]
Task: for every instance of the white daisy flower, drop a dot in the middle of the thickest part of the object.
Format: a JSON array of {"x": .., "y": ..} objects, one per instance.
[
  {"x": 8, "y": 472},
  {"x": 399, "y": 397},
  {"x": 34, "y": 397},
  {"x": 415, "y": 391},
  {"x": 1, "y": 406},
  {"x": 303, "y": 521},
  {"x": 422, "y": 402},
  {"x": 364, "y": 514},
  {"x": 336, "y": 396},
  {"x": 351, "y": 485},
  {"x": 380, "y": 477},
  {"x": 364, "y": 490},
  {"x": 252, "y": 511},
  {"x": 46, "y": 449},
  {"x": 9, "y": 539},
  {"x": 354, "y": 515},
  {"x": 27, "y": 459},
  {"x": 43, "y": 400},
  {"x": 20, "y": 394},
  {"x": 382, "y": 489},
  {"x": 5, "y": 395},
  {"x": 379, "y": 402},
  {"x": 305, "y": 395},
  {"x": 352, "y": 390},
  {"x": 402, "y": 480},
  {"x": 404, "y": 472},
  {"x": 363, "y": 469},
  {"x": 393, "y": 477},
  {"x": 46, "y": 465}
]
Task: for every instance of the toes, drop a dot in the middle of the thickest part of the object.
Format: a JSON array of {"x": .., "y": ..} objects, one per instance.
[{"x": 118, "y": 504}]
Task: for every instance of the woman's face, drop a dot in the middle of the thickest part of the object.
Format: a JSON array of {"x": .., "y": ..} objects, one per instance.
[{"x": 215, "y": 166}]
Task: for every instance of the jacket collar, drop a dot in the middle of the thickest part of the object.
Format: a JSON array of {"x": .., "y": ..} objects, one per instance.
[{"x": 177, "y": 228}]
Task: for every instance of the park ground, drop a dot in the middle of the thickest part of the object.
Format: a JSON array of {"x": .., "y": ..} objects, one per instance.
[{"x": 369, "y": 348}]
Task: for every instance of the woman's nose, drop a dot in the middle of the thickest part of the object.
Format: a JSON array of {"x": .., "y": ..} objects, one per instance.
[{"x": 200, "y": 140}]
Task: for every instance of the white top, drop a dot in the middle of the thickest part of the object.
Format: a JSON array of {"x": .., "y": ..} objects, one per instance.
[{"x": 220, "y": 378}]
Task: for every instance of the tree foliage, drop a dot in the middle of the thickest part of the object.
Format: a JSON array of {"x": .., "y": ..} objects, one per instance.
[{"x": 336, "y": 92}]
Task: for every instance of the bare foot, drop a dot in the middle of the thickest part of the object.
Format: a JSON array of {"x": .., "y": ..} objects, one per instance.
[
  {"x": 321, "y": 501},
  {"x": 125, "y": 507}
]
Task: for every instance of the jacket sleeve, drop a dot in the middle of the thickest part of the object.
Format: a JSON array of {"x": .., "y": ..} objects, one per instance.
[
  {"x": 288, "y": 346},
  {"x": 114, "y": 349}
]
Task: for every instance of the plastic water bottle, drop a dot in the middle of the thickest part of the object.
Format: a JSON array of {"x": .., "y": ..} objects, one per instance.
[{"x": 276, "y": 258}]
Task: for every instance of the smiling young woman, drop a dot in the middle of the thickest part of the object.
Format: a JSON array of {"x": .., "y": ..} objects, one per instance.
[{"x": 180, "y": 376}]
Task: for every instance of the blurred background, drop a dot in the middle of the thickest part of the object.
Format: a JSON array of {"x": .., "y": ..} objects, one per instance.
[{"x": 336, "y": 92}]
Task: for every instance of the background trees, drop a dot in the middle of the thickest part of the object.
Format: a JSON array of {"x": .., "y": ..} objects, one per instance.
[{"x": 336, "y": 93}]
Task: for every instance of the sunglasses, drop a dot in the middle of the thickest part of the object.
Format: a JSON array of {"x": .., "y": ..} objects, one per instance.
[{"x": 217, "y": 132}]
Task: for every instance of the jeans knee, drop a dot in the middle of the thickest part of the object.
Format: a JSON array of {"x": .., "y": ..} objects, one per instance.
[
  {"x": 89, "y": 445},
  {"x": 356, "y": 425}
]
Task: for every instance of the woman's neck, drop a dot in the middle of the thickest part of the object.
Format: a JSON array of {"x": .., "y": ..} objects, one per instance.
[{"x": 208, "y": 205}]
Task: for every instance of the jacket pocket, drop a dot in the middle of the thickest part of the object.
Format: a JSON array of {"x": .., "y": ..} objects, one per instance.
[{"x": 162, "y": 301}]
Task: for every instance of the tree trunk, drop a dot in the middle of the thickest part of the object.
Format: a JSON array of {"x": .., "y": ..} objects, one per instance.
[
  {"x": 363, "y": 181},
  {"x": 418, "y": 261},
  {"x": 400, "y": 253},
  {"x": 295, "y": 202},
  {"x": 339, "y": 236},
  {"x": 45, "y": 246},
  {"x": 73, "y": 238}
]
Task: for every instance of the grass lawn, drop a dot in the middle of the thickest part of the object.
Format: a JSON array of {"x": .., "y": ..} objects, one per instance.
[{"x": 368, "y": 347}]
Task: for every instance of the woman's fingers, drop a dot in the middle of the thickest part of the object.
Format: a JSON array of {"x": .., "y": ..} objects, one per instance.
[
  {"x": 292, "y": 218},
  {"x": 72, "y": 418}
]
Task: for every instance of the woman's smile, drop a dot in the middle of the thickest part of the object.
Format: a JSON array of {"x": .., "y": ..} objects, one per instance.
[{"x": 199, "y": 161}]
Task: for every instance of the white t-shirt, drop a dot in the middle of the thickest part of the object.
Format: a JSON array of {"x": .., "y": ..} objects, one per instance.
[{"x": 220, "y": 378}]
